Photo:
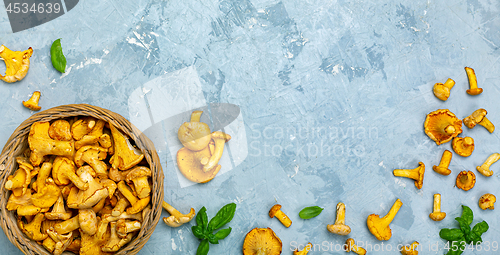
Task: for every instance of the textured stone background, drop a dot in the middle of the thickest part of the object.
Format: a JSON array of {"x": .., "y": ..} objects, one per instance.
[{"x": 333, "y": 96}]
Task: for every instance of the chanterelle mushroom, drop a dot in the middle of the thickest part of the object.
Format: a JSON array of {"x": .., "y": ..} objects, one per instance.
[
  {"x": 32, "y": 103},
  {"x": 220, "y": 139},
  {"x": 473, "y": 88},
  {"x": 139, "y": 176},
  {"x": 442, "y": 125},
  {"x": 416, "y": 174},
  {"x": 487, "y": 201},
  {"x": 137, "y": 204},
  {"x": 41, "y": 144},
  {"x": 62, "y": 241},
  {"x": 339, "y": 227},
  {"x": 47, "y": 196},
  {"x": 85, "y": 199},
  {"x": 379, "y": 227},
  {"x": 176, "y": 219},
  {"x": 463, "y": 146},
  {"x": 82, "y": 127},
  {"x": 436, "y": 214},
  {"x": 479, "y": 117},
  {"x": 19, "y": 182},
  {"x": 411, "y": 249},
  {"x": 58, "y": 211},
  {"x": 17, "y": 63},
  {"x": 262, "y": 241},
  {"x": 190, "y": 166},
  {"x": 63, "y": 172},
  {"x": 466, "y": 180},
  {"x": 60, "y": 130},
  {"x": 484, "y": 169},
  {"x": 194, "y": 135},
  {"x": 33, "y": 229},
  {"x": 92, "y": 138},
  {"x": 442, "y": 168},
  {"x": 304, "y": 251},
  {"x": 115, "y": 242},
  {"x": 92, "y": 155},
  {"x": 125, "y": 155},
  {"x": 442, "y": 91}
]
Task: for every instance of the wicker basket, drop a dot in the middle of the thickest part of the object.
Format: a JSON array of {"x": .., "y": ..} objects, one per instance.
[{"x": 18, "y": 142}]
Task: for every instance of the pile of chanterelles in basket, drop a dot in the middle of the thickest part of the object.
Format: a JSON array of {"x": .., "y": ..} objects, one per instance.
[{"x": 81, "y": 186}]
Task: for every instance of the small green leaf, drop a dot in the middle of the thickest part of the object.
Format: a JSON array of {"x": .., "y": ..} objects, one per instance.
[
  {"x": 480, "y": 228},
  {"x": 203, "y": 248},
  {"x": 223, "y": 233},
  {"x": 310, "y": 212},
  {"x": 453, "y": 234},
  {"x": 198, "y": 232},
  {"x": 467, "y": 214},
  {"x": 212, "y": 239},
  {"x": 464, "y": 227},
  {"x": 223, "y": 216},
  {"x": 57, "y": 56},
  {"x": 202, "y": 219}
]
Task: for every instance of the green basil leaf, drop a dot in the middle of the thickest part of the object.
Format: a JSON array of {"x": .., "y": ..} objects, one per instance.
[
  {"x": 198, "y": 232},
  {"x": 453, "y": 234},
  {"x": 203, "y": 248},
  {"x": 480, "y": 228},
  {"x": 467, "y": 215},
  {"x": 310, "y": 212},
  {"x": 457, "y": 247},
  {"x": 212, "y": 239},
  {"x": 223, "y": 216},
  {"x": 475, "y": 238},
  {"x": 464, "y": 227},
  {"x": 202, "y": 219},
  {"x": 57, "y": 56},
  {"x": 223, "y": 233}
]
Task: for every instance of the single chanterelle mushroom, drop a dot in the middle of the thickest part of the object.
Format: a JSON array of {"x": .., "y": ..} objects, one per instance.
[
  {"x": 442, "y": 168},
  {"x": 463, "y": 146},
  {"x": 67, "y": 225},
  {"x": 32, "y": 103},
  {"x": 351, "y": 246},
  {"x": 115, "y": 242},
  {"x": 123, "y": 227},
  {"x": 63, "y": 172},
  {"x": 62, "y": 241},
  {"x": 339, "y": 227},
  {"x": 411, "y": 249},
  {"x": 189, "y": 163},
  {"x": 484, "y": 169},
  {"x": 281, "y": 216},
  {"x": 15, "y": 202},
  {"x": 194, "y": 135},
  {"x": 58, "y": 211},
  {"x": 41, "y": 144},
  {"x": 85, "y": 199},
  {"x": 32, "y": 229},
  {"x": 94, "y": 156},
  {"x": 17, "y": 63},
  {"x": 137, "y": 204},
  {"x": 479, "y": 117},
  {"x": 47, "y": 196},
  {"x": 120, "y": 205},
  {"x": 176, "y": 219},
  {"x": 81, "y": 127},
  {"x": 91, "y": 138},
  {"x": 416, "y": 174},
  {"x": 473, "y": 89},
  {"x": 139, "y": 176},
  {"x": 88, "y": 221},
  {"x": 19, "y": 182},
  {"x": 125, "y": 155},
  {"x": 442, "y": 91},
  {"x": 442, "y": 125},
  {"x": 466, "y": 180},
  {"x": 262, "y": 241},
  {"x": 379, "y": 227},
  {"x": 487, "y": 201},
  {"x": 220, "y": 138},
  {"x": 304, "y": 251},
  {"x": 436, "y": 214},
  {"x": 60, "y": 130}
]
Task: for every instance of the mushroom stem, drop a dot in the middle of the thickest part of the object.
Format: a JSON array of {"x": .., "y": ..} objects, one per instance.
[
  {"x": 340, "y": 219},
  {"x": 484, "y": 169},
  {"x": 67, "y": 226},
  {"x": 196, "y": 116},
  {"x": 449, "y": 130},
  {"x": 220, "y": 139},
  {"x": 416, "y": 174},
  {"x": 485, "y": 122},
  {"x": 437, "y": 202},
  {"x": 442, "y": 168},
  {"x": 387, "y": 219}
]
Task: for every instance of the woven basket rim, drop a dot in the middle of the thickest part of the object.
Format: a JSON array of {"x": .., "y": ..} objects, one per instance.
[{"x": 18, "y": 139}]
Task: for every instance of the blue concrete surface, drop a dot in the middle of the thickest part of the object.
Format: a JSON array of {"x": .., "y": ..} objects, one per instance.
[{"x": 333, "y": 96}]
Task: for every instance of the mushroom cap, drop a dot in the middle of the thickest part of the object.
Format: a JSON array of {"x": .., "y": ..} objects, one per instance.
[
  {"x": 410, "y": 249},
  {"x": 262, "y": 241},
  {"x": 421, "y": 171},
  {"x": 221, "y": 135},
  {"x": 441, "y": 92},
  {"x": 463, "y": 146},
  {"x": 82, "y": 127},
  {"x": 274, "y": 210},
  {"x": 339, "y": 229},
  {"x": 60, "y": 130},
  {"x": 476, "y": 117},
  {"x": 437, "y": 122},
  {"x": 61, "y": 165},
  {"x": 17, "y": 63},
  {"x": 468, "y": 183},
  {"x": 194, "y": 135},
  {"x": 191, "y": 168},
  {"x": 474, "y": 91},
  {"x": 381, "y": 232},
  {"x": 138, "y": 171},
  {"x": 437, "y": 216},
  {"x": 125, "y": 154},
  {"x": 487, "y": 201}
]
